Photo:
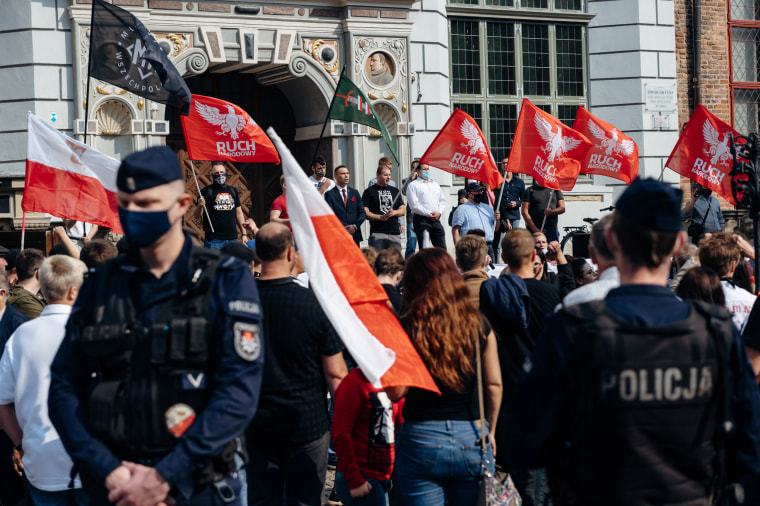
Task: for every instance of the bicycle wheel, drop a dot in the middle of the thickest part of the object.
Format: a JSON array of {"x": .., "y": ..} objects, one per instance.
[{"x": 566, "y": 245}]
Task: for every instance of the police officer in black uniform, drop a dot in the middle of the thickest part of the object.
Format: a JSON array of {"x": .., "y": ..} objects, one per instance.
[
  {"x": 640, "y": 399},
  {"x": 161, "y": 366}
]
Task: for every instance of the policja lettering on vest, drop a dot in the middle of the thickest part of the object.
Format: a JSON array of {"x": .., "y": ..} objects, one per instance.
[
  {"x": 161, "y": 366},
  {"x": 646, "y": 385}
]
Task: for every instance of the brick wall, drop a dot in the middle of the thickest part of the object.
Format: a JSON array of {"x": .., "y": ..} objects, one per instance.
[{"x": 715, "y": 64}]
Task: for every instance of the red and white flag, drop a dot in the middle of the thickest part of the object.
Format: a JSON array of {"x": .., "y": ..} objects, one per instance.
[
  {"x": 68, "y": 179},
  {"x": 347, "y": 288},
  {"x": 703, "y": 152},
  {"x": 220, "y": 130},
  {"x": 613, "y": 154},
  {"x": 546, "y": 149},
  {"x": 460, "y": 148}
]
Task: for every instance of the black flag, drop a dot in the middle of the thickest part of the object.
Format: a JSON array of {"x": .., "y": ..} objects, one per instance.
[{"x": 125, "y": 54}]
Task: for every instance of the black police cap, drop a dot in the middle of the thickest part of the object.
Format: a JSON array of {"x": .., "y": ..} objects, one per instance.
[
  {"x": 148, "y": 168},
  {"x": 651, "y": 204}
]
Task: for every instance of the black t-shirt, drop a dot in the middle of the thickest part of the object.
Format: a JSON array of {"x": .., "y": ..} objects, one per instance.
[
  {"x": 421, "y": 405},
  {"x": 379, "y": 199},
  {"x": 544, "y": 297},
  {"x": 297, "y": 334},
  {"x": 538, "y": 197},
  {"x": 393, "y": 296},
  {"x": 221, "y": 203}
]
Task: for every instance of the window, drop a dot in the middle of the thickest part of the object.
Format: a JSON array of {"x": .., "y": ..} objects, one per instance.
[
  {"x": 744, "y": 34},
  {"x": 542, "y": 61}
]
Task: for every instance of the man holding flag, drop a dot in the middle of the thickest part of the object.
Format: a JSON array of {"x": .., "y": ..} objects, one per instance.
[
  {"x": 474, "y": 214},
  {"x": 540, "y": 209}
]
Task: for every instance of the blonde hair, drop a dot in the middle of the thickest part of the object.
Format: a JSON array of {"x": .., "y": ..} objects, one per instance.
[{"x": 59, "y": 274}]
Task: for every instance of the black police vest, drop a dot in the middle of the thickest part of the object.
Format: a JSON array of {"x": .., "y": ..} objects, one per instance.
[
  {"x": 645, "y": 426},
  {"x": 148, "y": 382}
]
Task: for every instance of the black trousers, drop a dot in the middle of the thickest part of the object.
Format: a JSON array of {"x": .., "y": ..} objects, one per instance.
[{"x": 434, "y": 228}]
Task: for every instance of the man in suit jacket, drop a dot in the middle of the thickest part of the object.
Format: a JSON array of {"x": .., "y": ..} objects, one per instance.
[{"x": 346, "y": 203}]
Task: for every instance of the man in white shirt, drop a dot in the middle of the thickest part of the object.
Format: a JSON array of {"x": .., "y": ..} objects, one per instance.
[
  {"x": 427, "y": 202},
  {"x": 722, "y": 254},
  {"x": 25, "y": 373},
  {"x": 609, "y": 276},
  {"x": 318, "y": 179}
]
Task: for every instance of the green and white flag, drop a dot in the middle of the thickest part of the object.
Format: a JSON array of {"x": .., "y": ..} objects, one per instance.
[{"x": 350, "y": 104}]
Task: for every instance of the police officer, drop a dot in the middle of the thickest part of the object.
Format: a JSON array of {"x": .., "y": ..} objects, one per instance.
[
  {"x": 644, "y": 398},
  {"x": 161, "y": 365}
]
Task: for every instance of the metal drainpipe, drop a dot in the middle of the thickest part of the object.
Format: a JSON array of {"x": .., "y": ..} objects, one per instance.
[{"x": 697, "y": 41}]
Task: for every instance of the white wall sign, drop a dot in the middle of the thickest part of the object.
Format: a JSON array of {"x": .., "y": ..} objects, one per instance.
[{"x": 659, "y": 97}]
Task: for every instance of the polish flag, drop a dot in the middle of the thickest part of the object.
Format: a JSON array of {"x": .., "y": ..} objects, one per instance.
[
  {"x": 613, "y": 154},
  {"x": 460, "y": 148},
  {"x": 546, "y": 149},
  {"x": 69, "y": 179},
  {"x": 703, "y": 153},
  {"x": 220, "y": 130},
  {"x": 347, "y": 288}
]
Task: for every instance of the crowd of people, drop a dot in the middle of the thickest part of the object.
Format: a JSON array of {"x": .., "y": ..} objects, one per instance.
[{"x": 163, "y": 373}]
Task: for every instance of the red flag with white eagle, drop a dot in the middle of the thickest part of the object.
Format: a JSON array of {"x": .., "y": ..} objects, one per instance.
[
  {"x": 546, "y": 149},
  {"x": 613, "y": 154},
  {"x": 347, "y": 288},
  {"x": 220, "y": 130},
  {"x": 460, "y": 148},
  {"x": 68, "y": 179},
  {"x": 703, "y": 152}
]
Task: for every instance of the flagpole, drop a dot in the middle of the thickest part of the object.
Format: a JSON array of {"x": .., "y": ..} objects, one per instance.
[
  {"x": 498, "y": 200},
  {"x": 327, "y": 116},
  {"x": 197, "y": 187},
  {"x": 547, "y": 207},
  {"x": 23, "y": 227},
  {"x": 89, "y": 59}
]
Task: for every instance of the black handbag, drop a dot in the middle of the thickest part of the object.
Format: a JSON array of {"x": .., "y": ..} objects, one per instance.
[{"x": 697, "y": 229}]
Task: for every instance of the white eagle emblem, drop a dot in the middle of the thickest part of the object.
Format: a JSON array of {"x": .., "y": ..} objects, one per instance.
[
  {"x": 474, "y": 140},
  {"x": 719, "y": 151},
  {"x": 230, "y": 123},
  {"x": 612, "y": 145},
  {"x": 556, "y": 145}
]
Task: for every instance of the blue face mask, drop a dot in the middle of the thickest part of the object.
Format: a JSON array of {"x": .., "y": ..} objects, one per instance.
[
  {"x": 220, "y": 179},
  {"x": 143, "y": 228},
  {"x": 425, "y": 174}
]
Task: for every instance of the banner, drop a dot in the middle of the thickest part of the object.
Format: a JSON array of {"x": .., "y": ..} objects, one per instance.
[
  {"x": 703, "y": 153},
  {"x": 613, "y": 153},
  {"x": 460, "y": 148},
  {"x": 546, "y": 149},
  {"x": 124, "y": 53},
  {"x": 347, "y": 288},
  {"x": 68, "y": 179},
  {"x": 219, "y": 130},
  {"x": 350, "y": 104}
]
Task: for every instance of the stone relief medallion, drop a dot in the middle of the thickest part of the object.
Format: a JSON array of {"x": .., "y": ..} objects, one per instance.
[
  {"x": 379, "y": 69},
  {"x": 325, "y": 52}
]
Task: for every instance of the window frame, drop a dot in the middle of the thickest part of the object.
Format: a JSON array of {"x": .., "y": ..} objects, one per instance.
[{"x": 739, "y": 85}]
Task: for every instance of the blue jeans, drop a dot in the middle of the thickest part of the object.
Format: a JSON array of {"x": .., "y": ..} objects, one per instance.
[
  {"x": 218, "y": 244},
  {"x": 551, "y": 235},
  {"x": 378, "y": 496},
  {"x": 411, "y": 241},
  {"x": 68, "y": 497},
  {"x": 440, "y": 462}
]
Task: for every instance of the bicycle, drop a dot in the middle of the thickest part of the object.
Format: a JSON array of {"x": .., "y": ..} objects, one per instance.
[{"x": 566, "y": 244}]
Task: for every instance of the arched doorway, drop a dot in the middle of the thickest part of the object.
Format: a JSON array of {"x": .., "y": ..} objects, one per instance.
[{"x": 257, "y": 183}]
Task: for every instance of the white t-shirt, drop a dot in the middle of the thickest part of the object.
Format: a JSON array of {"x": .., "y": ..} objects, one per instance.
[
  {"x": 330, "y": 183},
  {"x": 739, "y": 301},
  {"x": 25, "y": 381}
]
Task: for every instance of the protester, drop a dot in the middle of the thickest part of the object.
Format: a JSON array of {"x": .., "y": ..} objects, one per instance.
[
  {"x": 79, "y": 232},
  {"x": 540, "y": 208},
  {"x": 278, "y": 212},
  {"x": 704, "y": 211},
  {"x": 8, "y": 258},
  {"x": 685, "y": 260},
  {"x": 389, "y": 267},
  {"x": 288, "y": 438},
  {"x": 364, "y": 437},
  {"x": 606, "y": 438},
  {"x": 608, "y": 277},
  {"x": 225, "y": 215},
  {"x": 541, "y": 242},
  {"x": 472, "y": 259},
  {"x": 701, "y": 283},
  {"x": 25, "y": 294},
  {"x": 474, "y": 214},
  {"x": 426, "y": 203},
  {"x": 511, "y": 204},
  {"x": 370, "y": 254},
  {"x": 437, "y": 457},
  {"x": 318, "y": 179},
  {"x": 383, "y": 205},
  {"x": 24, "y": 385},
  {"x": 461, "y": 199},
  {"x": 411, "y": 237},
  {"x": 97, "y": 252},
  {"x": 583, "y": 272},
  {"x": 346, "y": 203},
  {"x": 721, "y": 254}
]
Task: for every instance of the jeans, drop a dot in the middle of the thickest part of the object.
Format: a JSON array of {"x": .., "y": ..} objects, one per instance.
[
  {"x": 383, "y": 241},
  {"x": 378, "y": 496},
  {"x": 411, "y": 241},
  {"x": 440, "y": 461},
  {"x": 218, "y": 244},
  {"x": 551, "y": 235},
  {"x": 281, "y": 472},
  {"x": 67, "y": 497}
]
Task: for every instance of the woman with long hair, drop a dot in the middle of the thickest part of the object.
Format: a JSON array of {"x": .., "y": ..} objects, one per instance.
[{"x": 439, "y": 458}]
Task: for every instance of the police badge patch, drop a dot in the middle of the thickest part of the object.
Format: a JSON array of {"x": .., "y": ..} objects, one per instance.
[
  {"x": 247, "y": 340},
  {"x": 179, "y": 418}
]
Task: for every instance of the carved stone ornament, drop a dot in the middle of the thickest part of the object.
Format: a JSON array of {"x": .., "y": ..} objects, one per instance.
[
  {"x": 326, "y": 53},
  {"x": 382, "y": 65}
]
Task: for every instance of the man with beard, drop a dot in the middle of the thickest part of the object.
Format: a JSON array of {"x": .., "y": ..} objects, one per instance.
[{"x": 225, "y": 215}]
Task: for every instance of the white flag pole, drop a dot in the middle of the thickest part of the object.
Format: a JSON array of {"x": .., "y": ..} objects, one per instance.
[{"x": 197, "y": 187}]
